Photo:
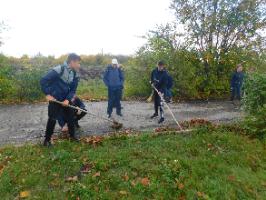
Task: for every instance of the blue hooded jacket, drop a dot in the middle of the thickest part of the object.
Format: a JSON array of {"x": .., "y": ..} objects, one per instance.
[
  {"x": 61, "y": 82},
  {"x": 113, "y": 77}
]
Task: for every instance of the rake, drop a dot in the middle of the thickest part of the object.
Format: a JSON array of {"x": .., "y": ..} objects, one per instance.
[
  {"x": 168, "y": 107},
  {"x": 115, "y": 125}
]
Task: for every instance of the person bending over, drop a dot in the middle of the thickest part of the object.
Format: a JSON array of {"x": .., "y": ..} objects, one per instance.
[
  {"x": 77, "y": 116},
  {"x": 60, "y": 84}
]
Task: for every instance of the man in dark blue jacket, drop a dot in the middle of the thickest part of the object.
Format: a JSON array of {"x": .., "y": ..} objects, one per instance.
[
  {"x": 60, "y": 84},
  {"x": 114, "y": 80},
  {"x": 159, "y": 78},
  {"x": 237, "y": 82},
  {"x": 78, "y": 114}
]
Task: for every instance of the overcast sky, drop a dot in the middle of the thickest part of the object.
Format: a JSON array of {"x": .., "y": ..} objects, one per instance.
[{"x": 55, "y": 27}]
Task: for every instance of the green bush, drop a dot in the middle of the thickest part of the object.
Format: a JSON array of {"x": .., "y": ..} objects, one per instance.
[
  {"x": 27, "y": 84},
  {"x": 255, "y": 92},
  {"x": 255, "y": 105},
  {"x": 255, "y": 124},
  {"x": 6, "y": 82}
]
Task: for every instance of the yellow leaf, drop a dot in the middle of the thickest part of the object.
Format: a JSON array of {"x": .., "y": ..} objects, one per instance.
[
  {"x": 97, "y": 174},
  {"x": 123, "y": 192},
  {"x": 72, "y": 179},
  {"x": 24, "y": 194}
]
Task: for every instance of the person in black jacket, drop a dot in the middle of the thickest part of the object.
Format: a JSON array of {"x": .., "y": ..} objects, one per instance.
[
  {"x": 159, "y": 78},
  {"x": 237, "y": 82},
  {"x": 61, "y": 84}
]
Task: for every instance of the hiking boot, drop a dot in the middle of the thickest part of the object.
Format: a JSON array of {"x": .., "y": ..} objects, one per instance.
[
  {"x": 154, "y": 115},
  {"x": 47, "y": 143},
  {"x": 161, "y": 120}
]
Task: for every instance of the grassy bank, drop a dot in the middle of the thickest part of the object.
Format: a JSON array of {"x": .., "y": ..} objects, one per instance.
[{"x": 202, "y": 165}]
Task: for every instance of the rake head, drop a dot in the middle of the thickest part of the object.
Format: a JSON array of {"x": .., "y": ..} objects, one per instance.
[{"x": 116, "y": 125}]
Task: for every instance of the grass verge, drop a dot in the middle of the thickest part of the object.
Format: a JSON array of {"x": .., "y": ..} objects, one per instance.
[{"x": 205, "y": 164}]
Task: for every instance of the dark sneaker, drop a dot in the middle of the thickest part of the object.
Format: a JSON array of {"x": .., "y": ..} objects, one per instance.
[
  {"x": 47, "y": 143},
  {"x": 154, "y": 115},
  {"x": 109, "y": 115},
  {"x": 161, "y": 120}
]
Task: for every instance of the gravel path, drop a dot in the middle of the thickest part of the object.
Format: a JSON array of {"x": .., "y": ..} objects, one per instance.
[{"x": 26, "y": 123}]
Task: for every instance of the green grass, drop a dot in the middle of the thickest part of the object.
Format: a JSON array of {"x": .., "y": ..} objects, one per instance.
[
  {"x": 92, "y": 89},
  {"x": 201, "y": 165}
]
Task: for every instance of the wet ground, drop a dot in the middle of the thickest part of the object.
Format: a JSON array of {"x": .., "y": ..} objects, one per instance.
[{"x": 26, "y": 123}]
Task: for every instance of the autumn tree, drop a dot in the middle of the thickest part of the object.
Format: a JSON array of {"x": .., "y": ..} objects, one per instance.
[{"x": 215, "y": 27}]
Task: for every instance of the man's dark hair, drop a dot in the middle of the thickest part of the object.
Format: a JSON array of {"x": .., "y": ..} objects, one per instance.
[
  {"x": 73, "y": 57},
  {"x": 161, "y": 63}
]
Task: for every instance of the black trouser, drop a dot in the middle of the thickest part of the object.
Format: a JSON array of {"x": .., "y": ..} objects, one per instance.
[
  {"x": 54, "y": 110},
  {"x": 158, "y": 104}
]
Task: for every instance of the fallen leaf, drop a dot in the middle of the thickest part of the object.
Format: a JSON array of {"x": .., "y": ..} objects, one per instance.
[
  {"x": 97, "y": 174},
  {"x": 24, "y": 194},
  {"x": 133, "y": 183},
  {"x": 86, "y": 168},
  {"x": 182, "y": 197},
  {"x": 93, "y": 140},
  {"x": 123, "y": 192},
  {"x": 181, "y": 186},
  {"x": 231, "y": 178},
  {"x": 200, "y": 194},
  {"x": 145, "y": 181},
  {"x": 1, "y": 169},
  {"x": 72, "y": 179},
  {"x": 126, "y": 177}
]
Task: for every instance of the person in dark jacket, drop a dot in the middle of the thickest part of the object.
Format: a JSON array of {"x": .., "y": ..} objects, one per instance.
[
  {"x": 159, "y": 78},
  {"x": 60, "y": 84},
  {"x": 237, "y": 82},
  {"x": 114, "y": 80},
  {"x": 78, "y": 114}
]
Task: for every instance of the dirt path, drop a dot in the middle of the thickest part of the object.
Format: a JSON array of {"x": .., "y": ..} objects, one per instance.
[{"x": 22, "y": 123}]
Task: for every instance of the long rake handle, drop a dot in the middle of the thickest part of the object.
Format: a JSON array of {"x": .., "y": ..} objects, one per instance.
[
  {"x": 169, "y": 109},
  {"x": 80, "y": 109}
]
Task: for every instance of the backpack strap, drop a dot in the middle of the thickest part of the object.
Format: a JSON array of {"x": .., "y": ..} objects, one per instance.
[{"x": 63, "y": 70}]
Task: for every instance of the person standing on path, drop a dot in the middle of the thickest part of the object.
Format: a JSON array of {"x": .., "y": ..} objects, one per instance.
[
  {"x": 237, "y": 82},
  {"x": 114, "y": 79},
  {"x": 60, "y": 84},
  {"x": 159, "y": 78}
]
